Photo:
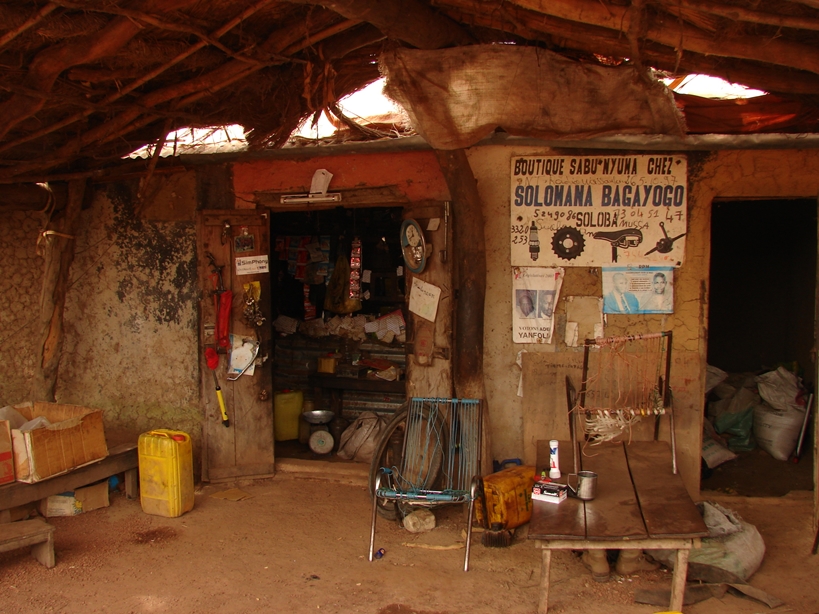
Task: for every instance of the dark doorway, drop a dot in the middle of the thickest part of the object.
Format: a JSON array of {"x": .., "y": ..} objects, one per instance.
[{"x": 761, "y": 315}]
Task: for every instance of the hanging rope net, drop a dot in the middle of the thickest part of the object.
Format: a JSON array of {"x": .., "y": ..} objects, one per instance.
[{"x": 624, "y": 380}]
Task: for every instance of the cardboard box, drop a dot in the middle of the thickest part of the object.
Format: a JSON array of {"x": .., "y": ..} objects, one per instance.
[
  {"x": 79, "y": 501},
  {"x": 6, "y": 458},
  {"x": 551, "y": 492},
  {"x": 92, "y": 497},
  {"x": 64, "y": 504},
  {"x": 75, "y": 438}
]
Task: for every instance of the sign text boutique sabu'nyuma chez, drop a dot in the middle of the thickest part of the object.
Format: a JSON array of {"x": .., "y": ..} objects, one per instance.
[{"x": 597, "y": 210}]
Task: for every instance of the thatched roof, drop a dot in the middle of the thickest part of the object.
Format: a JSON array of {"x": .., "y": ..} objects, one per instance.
[{"x": 83, "y": 82}]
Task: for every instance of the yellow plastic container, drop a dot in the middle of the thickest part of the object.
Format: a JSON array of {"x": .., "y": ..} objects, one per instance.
[
  {"x": 508, "y": 495},
  {"x": 165, "y": 473},
  {"x": 287, "y": 408}
]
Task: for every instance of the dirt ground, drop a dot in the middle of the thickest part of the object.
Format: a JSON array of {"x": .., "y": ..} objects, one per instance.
[{"x": 300, "y": 545}]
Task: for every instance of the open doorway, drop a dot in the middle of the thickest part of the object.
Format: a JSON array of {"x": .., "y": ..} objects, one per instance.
[
  {"x": 761, "y": 317},
  {"x": 328, "y": 355}
]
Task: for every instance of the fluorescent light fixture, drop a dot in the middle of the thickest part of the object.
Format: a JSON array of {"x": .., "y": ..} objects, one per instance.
[
  {"x": 308, "y": 199},
  {"x": 318, "y": 191}
]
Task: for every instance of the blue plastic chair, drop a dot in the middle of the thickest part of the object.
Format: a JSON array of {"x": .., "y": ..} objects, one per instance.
[{"x": 440, "y": 463}]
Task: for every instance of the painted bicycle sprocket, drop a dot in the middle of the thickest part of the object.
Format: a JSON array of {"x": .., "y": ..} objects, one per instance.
[{"x": 568, "y": 243}]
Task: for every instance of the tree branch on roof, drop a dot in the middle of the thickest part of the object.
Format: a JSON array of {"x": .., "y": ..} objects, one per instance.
[
  {"x": 221, "y": 31},
  {"x": 49, "y": 63},
  {"x": 738, "y": 13},
  {"x": 410, "y": 21},
  {"x": 159, "y": 23},
  {"x": 555, "y": 32},
  {"x": 28, "y": 23},
  {"x": 184, "y": 93},
  {"x": 591, "y": 12}
]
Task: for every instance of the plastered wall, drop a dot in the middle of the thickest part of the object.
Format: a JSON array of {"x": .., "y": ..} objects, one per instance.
[
  {"x": 131, "y": 333},
  {"x": 130, "y": 316},
  {"x": 726, "y": 174},
  {"x": 131, "y": 313},
  {"x": 20, "y": 287}
]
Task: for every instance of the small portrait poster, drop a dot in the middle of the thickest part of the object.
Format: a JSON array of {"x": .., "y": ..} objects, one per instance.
[
  {"x": 639, "y": 289},
  {"x": 535, "y": 291}
]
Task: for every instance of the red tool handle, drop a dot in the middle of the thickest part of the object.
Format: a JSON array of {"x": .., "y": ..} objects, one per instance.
[{"x": 223, "y": 318}]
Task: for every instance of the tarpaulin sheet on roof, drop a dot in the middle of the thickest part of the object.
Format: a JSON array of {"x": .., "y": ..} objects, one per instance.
[
  {"x": 747, "y": 115},
  {"x": 457, "y": 96}
]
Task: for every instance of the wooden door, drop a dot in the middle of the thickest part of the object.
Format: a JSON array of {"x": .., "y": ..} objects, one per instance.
[{"x": 245, "y": 448}]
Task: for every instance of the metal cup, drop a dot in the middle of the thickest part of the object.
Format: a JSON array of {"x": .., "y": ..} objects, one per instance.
[{"x": 586, "y": 485}]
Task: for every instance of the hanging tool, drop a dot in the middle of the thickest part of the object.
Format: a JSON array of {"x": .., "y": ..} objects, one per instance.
[
  {"x": 212, "y": 358},
  {"x": 666, "y": 244},
  {"x": 222, "y": 303}
]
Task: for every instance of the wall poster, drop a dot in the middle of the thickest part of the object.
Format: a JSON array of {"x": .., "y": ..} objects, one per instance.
[
  {"x": 598, "y": 210},
  {"x": 535, "y": 291},
  {"x": 639, "y": 289}
]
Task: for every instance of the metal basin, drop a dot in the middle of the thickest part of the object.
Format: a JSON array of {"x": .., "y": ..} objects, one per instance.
[{"x": 318, "y": 416}]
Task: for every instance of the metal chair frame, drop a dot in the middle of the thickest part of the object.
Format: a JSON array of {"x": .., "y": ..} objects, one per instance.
[{"x": 441, "y": 460}]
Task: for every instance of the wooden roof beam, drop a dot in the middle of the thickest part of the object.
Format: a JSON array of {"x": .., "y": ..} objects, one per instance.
[
  {"x": 738, "y": 13},
  {"x": 49, "y": 63},
  {"x": 186, "y": 92},
  {"x": 410, "y": 21},
  {"x": 602, "y": 41},
  {"x": 127, "y": 89},
  {"x": 27, "y": 24},
  {"x": 672, "y": 33}
]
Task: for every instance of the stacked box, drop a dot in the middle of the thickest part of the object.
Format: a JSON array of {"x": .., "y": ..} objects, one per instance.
[
  {"x": 551, "y": 492},
  {"x": 6, "y": 459},
  {"x": 75, "y": 437}
]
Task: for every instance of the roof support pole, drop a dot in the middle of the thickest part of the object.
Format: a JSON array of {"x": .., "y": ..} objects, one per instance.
[
  {"x": 57, "y": 242},
  {"x": 469, "y": 253}
]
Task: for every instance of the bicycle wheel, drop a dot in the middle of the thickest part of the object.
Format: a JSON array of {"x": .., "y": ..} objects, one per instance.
[{"x": 389, "y": 452}]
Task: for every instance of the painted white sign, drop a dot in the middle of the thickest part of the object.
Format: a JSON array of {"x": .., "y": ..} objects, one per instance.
[
  {"x": 250, "y": 265},
  {"x": 598, "y": 210},
  {"x": 423, "y": 299},
  {"x": 535, "y": 291}
]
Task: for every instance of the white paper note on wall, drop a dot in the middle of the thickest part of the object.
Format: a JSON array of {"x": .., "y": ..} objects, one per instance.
[{"x": 424, "y": 299}]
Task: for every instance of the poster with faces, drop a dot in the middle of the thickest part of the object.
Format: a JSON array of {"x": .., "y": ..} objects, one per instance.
[{"x": 535, "y": 291}]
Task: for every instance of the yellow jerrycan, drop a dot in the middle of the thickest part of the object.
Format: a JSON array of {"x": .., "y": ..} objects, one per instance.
[{"x": 165, "y": 473}]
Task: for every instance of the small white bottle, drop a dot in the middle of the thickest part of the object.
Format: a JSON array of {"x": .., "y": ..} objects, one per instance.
[{"x": 554, "y": 461}]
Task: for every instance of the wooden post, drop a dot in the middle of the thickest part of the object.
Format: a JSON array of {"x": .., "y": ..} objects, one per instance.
[
  {"x": 58, "y": 243},
  {"x": 469, "y": 254}
]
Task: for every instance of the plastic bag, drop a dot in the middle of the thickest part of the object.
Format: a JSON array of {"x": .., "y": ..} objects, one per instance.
[
  {"x": 15, "y": 418},
  {"x": 358, "y": 440},
  {"x": 713, "y": 452},
  {"x": 338, "y": 298},
  {"x": 713, "y": 377},
  {"x": 735, "y": 416},
  {"x": 732, "y": 553},
  {"x": 777, "y": 432},
  {"x": 780, "y": 389}
]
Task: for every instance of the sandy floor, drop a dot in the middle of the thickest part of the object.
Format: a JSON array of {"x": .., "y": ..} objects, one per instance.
[{"x": 300, "y": 545}]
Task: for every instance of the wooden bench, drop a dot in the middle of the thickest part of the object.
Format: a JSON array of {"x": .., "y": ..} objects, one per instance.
[
  {"x": 640, "y": 505},
  {"x": 123, "y": 458},
  {"x": 35, "y": 533}
]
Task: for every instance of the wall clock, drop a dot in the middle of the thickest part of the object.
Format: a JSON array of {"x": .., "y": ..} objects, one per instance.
[{"x": 413, "y": 246}]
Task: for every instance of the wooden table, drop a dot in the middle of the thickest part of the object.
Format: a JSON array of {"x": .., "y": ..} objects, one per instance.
[
  {"x": 639, "y": 505},
  {"x": 123, "y": 458}
]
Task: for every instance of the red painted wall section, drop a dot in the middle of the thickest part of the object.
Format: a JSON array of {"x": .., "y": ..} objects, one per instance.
[{"x": 416, "y": 174}]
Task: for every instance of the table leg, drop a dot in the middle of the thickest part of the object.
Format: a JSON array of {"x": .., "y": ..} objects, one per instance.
[
  {"x": 545, "y": 565},
  {"x": 678, "y": 580}
]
